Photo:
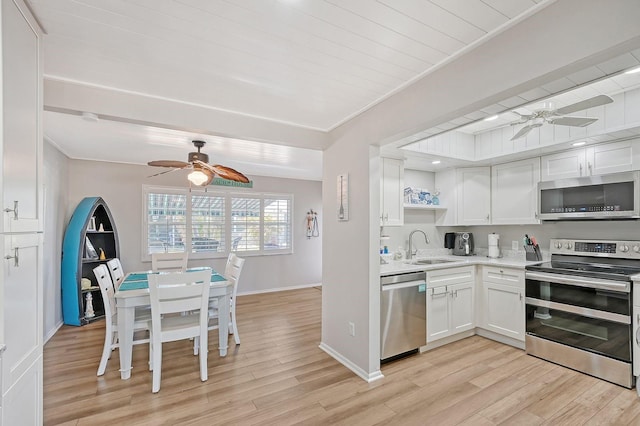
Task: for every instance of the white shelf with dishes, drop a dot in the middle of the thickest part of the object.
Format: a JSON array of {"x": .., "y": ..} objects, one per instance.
[{"x": 424, "y": 207}]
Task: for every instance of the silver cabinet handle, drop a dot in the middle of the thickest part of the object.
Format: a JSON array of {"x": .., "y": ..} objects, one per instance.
[
  {"x": 590, "y": 169},
  {"x": 14, "y": 210},
  {"x": 580, "y": 169},
  {"x": 535, "y": 214},
  {"x": 15, "y": 257},
  {"x": 521, "y": 297},
  {"x": 487, "y": 217}
]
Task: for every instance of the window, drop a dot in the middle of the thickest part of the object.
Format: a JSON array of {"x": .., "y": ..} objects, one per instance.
[{"x": 210, "y": 224}]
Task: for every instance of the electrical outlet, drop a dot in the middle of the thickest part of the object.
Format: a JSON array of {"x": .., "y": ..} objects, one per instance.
[
  {"x": 352, "y": 329},
  {"x": 514, "y": 245}
]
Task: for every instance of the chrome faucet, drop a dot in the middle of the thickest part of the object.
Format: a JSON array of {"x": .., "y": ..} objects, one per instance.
[{"x": 410, "y": 254}]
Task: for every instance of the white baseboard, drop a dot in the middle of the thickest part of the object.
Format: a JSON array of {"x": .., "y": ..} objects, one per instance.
[
  {"x": 53, "y": 331},
  {"x": 368, "y": 377},
  {"x": 272, "y": 290},
  {"x": 500, "y": 338}
]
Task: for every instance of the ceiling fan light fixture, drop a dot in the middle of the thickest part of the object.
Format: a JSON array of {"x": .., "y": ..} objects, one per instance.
[
  {"x": 578, "y": 143},
  {"x": 198, "y": 177}
]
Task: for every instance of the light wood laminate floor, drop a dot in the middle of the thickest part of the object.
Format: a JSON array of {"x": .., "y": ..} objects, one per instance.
[{"x": 279, "y": 376}]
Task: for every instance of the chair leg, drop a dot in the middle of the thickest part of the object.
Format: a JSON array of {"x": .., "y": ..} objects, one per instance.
[
  {"x": 203, "y": 357},
  {"x": 234, "y": 326},
  {"x": 196, "y": 346},
  {"x": 106, "y": 352},
  {"x": 157, "y": 366}
]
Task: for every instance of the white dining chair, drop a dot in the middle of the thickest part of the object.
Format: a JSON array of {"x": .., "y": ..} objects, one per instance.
[
  {"x": 169, "y": 262},
  {"x": 111, "y": 319},
  {"x": 232, "y": 272},
  {"x": 115, "y": 269},
  {"x": 186, "y": 293}
]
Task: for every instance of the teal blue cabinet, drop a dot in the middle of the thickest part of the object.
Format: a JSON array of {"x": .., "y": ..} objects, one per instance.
[{"x": 90, "y": 239}]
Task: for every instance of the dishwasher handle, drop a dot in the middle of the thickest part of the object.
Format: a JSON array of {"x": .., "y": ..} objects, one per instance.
[{"x": 416, "y": 283}]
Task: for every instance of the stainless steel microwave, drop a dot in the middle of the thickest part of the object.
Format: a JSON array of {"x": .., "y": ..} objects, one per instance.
[{"x": 613, "y": 196}]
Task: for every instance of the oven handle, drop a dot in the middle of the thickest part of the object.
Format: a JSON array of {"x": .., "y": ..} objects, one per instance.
[
  {"x": 579, "y": 310},
  {"x": 620, "y": 286}
]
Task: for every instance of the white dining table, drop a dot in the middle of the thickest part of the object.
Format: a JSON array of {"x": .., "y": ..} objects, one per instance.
[{"x": 128, "y": 300}]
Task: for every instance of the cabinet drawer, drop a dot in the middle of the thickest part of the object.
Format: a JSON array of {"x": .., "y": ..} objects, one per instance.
[
  {"x": 450, "y": 276},
  {"x": 507, "y": 276}
]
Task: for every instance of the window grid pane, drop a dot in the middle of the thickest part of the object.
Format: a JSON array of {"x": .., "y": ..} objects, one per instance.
[
  {"x": 166, "y": 219},
  {"x": 207, "y": 224},
  {"x": 277, "y": 224},
  {"x": 245, "y": 224}
]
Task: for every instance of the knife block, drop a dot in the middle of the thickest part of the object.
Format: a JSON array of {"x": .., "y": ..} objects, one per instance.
[{"x": 532, "y": 253}]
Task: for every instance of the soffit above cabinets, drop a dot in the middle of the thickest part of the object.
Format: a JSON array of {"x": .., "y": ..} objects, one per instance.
[{"x": 469, "y": 138}]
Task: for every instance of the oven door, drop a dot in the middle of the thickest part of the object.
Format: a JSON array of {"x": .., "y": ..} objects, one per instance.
[{"x": 584, "y": 313}]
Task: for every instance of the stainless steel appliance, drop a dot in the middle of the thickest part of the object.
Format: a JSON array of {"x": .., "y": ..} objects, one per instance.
[
  {"x": 613, "y": 196},
  {"x": 579, "y": 307},
  {"x": 403, "y": 314},
  {"x": 463, "y": 244}
]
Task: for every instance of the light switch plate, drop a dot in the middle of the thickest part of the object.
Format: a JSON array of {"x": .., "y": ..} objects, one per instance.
[{"x": 514, "y": 245}]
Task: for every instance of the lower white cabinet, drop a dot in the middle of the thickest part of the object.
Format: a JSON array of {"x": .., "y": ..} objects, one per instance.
[
  {"x": 503, "y": 301},
  {"x": 450, "y": 302}
]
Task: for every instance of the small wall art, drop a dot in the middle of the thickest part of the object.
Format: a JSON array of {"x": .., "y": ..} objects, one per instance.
[{"x": 343, "y": 197}]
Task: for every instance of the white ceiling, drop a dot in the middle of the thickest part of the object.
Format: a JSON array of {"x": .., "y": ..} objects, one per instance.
[{"x": 308, "y": 63}]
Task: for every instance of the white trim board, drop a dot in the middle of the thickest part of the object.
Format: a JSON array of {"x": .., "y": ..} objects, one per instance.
[{"x": 368, "y": 377}]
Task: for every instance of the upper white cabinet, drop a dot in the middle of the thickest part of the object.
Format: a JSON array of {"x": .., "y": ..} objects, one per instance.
[
  {"x": 22, "y": 109},
  {"x": 514, "y": 192},
  {"x": 391, "y": 192},
  {"x": 467, "y": 195},
  {"x": 594, "y": 160}
]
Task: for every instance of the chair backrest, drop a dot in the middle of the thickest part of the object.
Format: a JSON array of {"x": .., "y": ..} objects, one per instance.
[
  {"x": 164, "y": 262},
  {"x": 179, "y": 292},
  {"x": 106, "y": 289},
  {"x": 233, "y": 269},
  {"x": 115, "y": 269}
]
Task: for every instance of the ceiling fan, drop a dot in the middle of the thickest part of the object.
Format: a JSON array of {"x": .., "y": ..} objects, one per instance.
[
  {"x": 558, "y": 116},
  {"x": 202, "y": 172}
]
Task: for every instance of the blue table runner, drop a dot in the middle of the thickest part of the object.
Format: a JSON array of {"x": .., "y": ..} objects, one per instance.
[{"x": 138, "y": 281}]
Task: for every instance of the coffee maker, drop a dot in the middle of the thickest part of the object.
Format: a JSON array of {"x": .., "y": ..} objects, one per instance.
[{"x": 463, "y": 244}]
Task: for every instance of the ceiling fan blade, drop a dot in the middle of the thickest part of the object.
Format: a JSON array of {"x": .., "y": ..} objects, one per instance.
[
  {"x": 168, "y": 163},
  {"x": 587, "y": 103},
  {"x": 167, "y": 171},
  {"x": 573, "y": 121},
  {"x": 225, "y": 172},
  {"x": 526, "y": 129}
]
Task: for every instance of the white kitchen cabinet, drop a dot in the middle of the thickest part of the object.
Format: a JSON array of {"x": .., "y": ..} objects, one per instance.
[
  {"x": 503, "y": 301},
  {"x": 391, "y": 192},
  {"x": 474, "y": 196},
  {"x": 450, "y": 302},
  {"x": 593, "y": 160},
  {"x": 21, "y": 299},
  {"x": 514, "y": 192},
  {"x": 466, "y": 193}
]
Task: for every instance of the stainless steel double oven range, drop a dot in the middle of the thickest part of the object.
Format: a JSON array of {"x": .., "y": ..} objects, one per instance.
[{"x": 579, "y": 307}]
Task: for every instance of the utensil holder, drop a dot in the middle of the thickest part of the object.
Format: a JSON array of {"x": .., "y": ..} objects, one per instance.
[{"x": 532, "y": 253}]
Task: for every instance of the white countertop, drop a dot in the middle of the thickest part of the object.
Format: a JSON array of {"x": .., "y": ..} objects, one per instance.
[{"x": 401, "y": 266}]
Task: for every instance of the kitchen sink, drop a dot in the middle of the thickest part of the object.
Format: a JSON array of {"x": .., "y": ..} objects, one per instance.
[{"x": 429, "y": 261}]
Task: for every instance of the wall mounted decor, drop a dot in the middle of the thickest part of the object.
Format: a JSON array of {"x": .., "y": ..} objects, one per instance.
[{"x": 343, "y": 197}]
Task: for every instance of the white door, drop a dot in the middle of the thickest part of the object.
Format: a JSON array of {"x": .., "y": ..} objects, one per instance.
[
  {"x": 474, "y": 196},
  {"x": 514, "y": 192},
  {"x": 437, "y": 313},
  {"x": 563, "y": 165},
  {"x": 22, "y": 108},
  {"x": 504, "y": 310},
  {"x": 22, "y": 329}
]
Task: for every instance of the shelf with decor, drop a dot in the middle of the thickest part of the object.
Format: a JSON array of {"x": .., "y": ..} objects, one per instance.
[
  {"x": 424, "y": 206},
  {"x": 90, "y": 239}
]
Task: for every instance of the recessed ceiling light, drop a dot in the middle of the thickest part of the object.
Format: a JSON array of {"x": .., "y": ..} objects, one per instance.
[
  {"x": 493, "y": 117},
  {"x": 633, "y": 70},
  {"x": 578, "y": 143},
  {"x": 435, "y": 162}
]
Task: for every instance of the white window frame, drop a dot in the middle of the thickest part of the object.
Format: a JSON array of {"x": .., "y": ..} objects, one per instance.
[{"x": 228, "y": 195}]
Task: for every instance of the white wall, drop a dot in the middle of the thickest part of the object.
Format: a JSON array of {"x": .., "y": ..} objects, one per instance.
[
  {"x": 120, "y": 185},
  {"x": 56, "y": 166}
]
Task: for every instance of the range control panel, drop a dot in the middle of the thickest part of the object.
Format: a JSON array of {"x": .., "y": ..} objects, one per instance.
[{"x": 603, "y": 248}]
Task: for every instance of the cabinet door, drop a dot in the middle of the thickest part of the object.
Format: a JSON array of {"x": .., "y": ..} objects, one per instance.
[
  {"x": 474, "y": 198},
  {"x": 462, "y": 307},
  {"x": 611, "y": 158},
  {"x": 514, "y": 192},
  {"x": 21, "y": 318},
  {"x": 504, "y": 310},
  {"x": 392, "y": 192},
  {"x": 563, "y": 165},
  {"x": 437, "y": 313},
  {"x": 22, "y": 109}
]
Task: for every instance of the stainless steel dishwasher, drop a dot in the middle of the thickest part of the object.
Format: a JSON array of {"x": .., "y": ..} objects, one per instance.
[{"x": 403, "y": 313}]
